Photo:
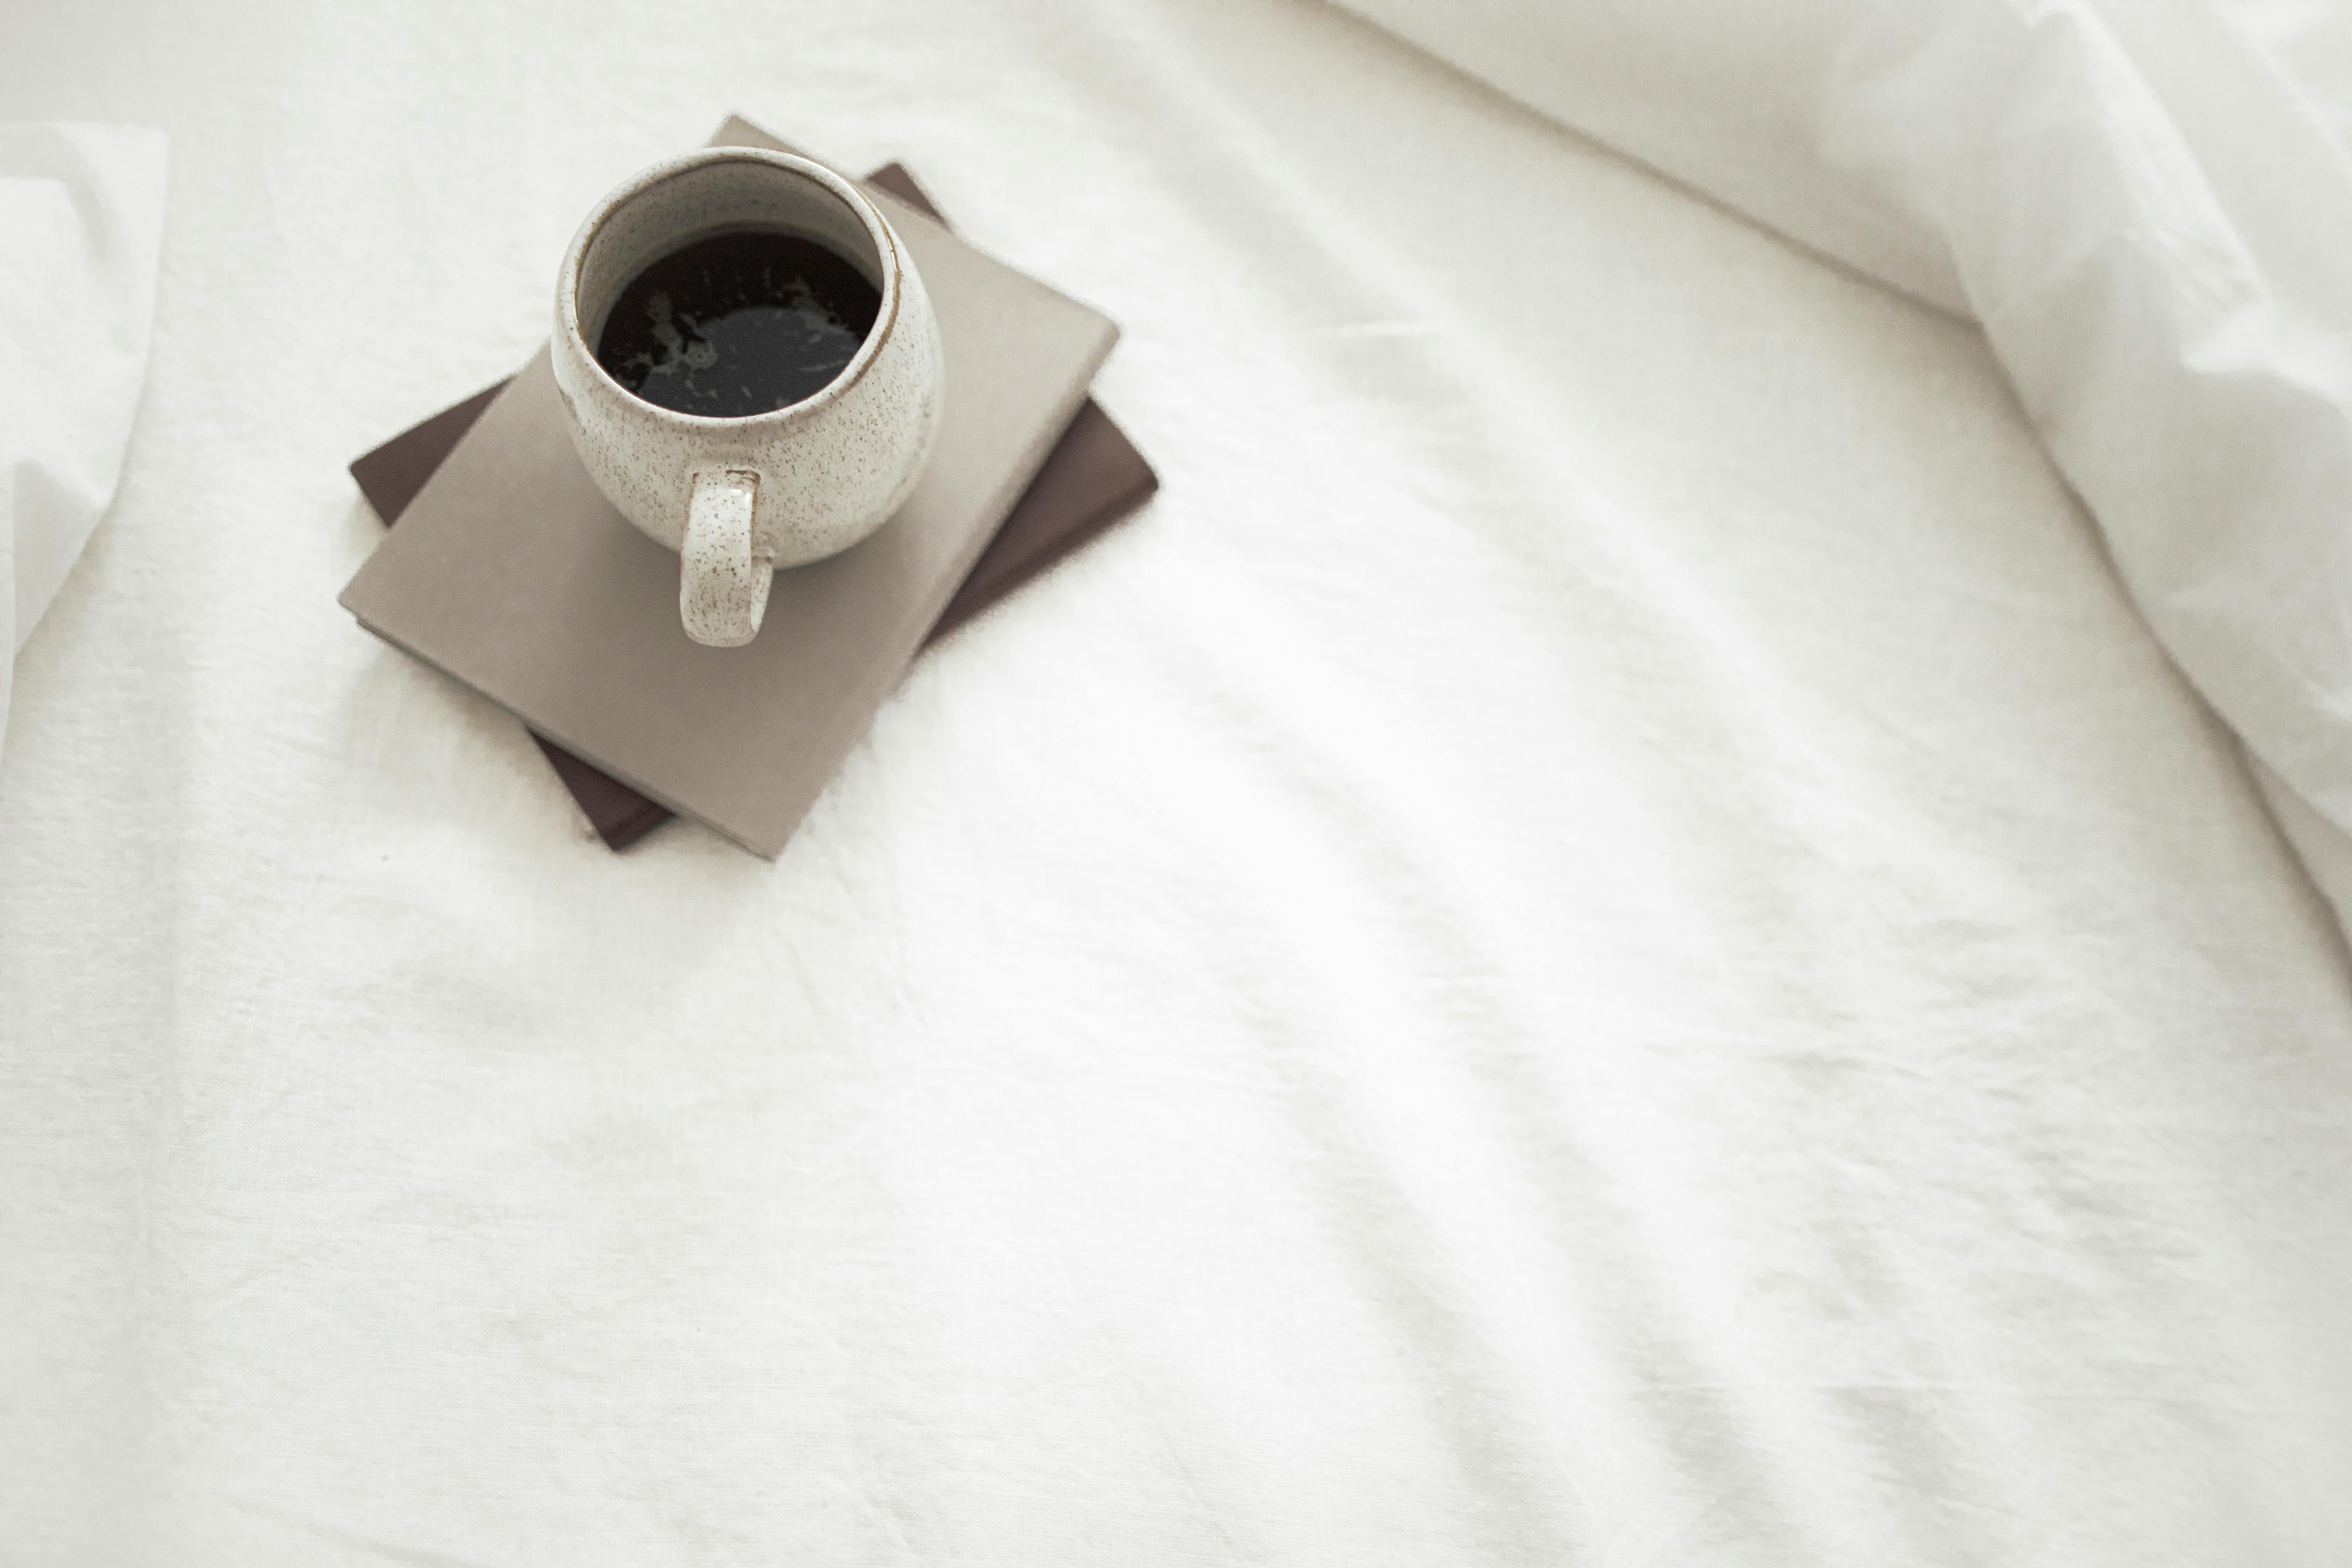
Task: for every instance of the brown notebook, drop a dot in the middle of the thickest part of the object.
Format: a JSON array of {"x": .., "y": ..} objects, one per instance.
[
  {"x": 1092, "y": 478},
  {"x": 510, "y": 572}
]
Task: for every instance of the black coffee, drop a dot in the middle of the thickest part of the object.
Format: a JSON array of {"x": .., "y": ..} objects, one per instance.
[{"x": 738, "y": 323}]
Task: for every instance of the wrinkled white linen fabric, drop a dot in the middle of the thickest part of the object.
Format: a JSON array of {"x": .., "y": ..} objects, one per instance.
[
  {"x": 81, "y": 219},
  {"x": 2312, "y": 41},
  {"x": 1601, "y": 938},
  {"x": 2150, "y": 218}
]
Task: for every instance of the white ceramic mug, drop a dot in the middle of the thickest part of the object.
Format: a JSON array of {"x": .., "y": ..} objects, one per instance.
[{"x": 737, "y": 498}]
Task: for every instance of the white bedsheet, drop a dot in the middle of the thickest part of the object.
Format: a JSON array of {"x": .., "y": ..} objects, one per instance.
[
  {"x": 2145, "y": 205},
  {"x": 1601, "y": 938}
]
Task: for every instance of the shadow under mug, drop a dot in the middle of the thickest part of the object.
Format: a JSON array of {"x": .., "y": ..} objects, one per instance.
[{"x": 738, "y": 498}]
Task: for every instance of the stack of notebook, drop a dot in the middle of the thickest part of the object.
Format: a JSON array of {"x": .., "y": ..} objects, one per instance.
[{"x": 510, "y": 572}]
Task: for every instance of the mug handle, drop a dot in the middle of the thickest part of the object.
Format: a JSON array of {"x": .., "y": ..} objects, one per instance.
[{"x": 723, "y": 575}]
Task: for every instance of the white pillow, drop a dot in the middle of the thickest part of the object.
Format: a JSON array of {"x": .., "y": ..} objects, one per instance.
[{"x": 81, "y": 225}]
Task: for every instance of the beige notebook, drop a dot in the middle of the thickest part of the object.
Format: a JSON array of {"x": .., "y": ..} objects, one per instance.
[{"x": 513, "y": 573}]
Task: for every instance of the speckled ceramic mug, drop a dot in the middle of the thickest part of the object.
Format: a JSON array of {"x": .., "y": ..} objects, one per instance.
[{"x": 737, "y": 498}]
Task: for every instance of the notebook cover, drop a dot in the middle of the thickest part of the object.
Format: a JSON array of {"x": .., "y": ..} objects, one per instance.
[
  {"x": 510, "y": 572},
  {"x": 1092, "y": 478}
]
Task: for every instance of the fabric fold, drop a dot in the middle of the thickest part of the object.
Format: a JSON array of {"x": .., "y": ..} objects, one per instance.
[{"x": 82, "y": 224}]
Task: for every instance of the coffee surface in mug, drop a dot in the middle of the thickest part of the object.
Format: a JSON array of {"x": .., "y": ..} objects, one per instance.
[{"x": 738, "y": 323}]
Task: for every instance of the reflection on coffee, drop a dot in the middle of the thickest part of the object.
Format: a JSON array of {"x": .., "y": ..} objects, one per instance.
[{"x": 738, "y": 323}]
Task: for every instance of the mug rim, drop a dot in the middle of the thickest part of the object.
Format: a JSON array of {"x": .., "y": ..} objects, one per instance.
[{"x": 886, "y": 247}]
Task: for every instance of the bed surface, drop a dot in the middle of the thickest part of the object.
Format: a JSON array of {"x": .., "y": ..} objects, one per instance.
[{"x": 1602, "y": 938}]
